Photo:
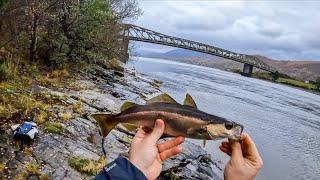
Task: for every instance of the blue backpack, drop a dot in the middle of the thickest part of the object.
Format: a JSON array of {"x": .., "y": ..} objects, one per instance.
[{"x": 26, "y": 131}]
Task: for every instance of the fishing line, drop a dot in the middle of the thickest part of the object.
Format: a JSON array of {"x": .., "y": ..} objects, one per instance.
[{"x": 102, "y": 145}]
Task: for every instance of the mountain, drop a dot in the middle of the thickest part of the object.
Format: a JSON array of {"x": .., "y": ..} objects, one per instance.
[{"x": 303, "y": 70}]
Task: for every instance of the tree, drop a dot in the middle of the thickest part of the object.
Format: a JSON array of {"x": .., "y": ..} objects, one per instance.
[
  {"x": 2, "y": 2},
  {"x": 55, "y": 32}
]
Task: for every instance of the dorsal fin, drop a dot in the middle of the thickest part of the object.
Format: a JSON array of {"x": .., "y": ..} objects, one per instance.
[
  {"x": 188, "y": 101},
  {"x": 127, "y": 105},
  {"x": 165, "y": 98}
]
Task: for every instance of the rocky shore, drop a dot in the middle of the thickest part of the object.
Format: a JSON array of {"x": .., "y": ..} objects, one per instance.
[{"x": 53, "y": 154}]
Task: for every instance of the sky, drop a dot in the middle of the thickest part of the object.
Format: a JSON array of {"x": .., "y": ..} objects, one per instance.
[{"x": 283, "y": 30}]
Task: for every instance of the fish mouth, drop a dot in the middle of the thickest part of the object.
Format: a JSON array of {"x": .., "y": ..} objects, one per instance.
[{"x": 237, "y": 132}]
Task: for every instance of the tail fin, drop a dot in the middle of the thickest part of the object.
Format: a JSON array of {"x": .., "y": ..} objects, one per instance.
[{"x": 105, "y": 121}]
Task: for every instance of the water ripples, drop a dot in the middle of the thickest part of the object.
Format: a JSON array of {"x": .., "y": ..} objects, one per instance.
[{"x": 285, "y": 122}]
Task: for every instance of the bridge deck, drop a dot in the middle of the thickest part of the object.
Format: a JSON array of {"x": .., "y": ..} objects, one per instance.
[{"x": 137, "y": 33}]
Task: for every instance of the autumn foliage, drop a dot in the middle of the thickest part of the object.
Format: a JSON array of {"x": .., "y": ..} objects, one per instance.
[{"x": 58, "y": 32}]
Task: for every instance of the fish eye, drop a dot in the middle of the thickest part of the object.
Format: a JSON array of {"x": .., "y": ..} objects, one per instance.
[
  {"x": 202, "y": 131},
  {"x": 228, "y": 125}
]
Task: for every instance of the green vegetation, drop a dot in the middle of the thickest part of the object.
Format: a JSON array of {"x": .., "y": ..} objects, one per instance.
[
  {"x": 34, "y": 170},
  {"x": 236, "y": 70},
  {"x": 317, "y": 83},
  {"x": 87, "y": 166},
  {"x": 45, "y": 38},
  {"x": 285, "y": 79},
  {"x": 262, "y": 75},
  {"x": 170, "y": 174},
  {"x": 53, "y": 127},
  {"x": 297, "y": 83},
  {"x": 2, "y": 167}
]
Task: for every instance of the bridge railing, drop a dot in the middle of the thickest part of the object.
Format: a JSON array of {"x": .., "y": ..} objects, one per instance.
[{"x": 138, "y": 33}]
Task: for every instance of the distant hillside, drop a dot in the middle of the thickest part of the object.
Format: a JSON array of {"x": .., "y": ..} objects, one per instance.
[{"x": 303, "y": 70}]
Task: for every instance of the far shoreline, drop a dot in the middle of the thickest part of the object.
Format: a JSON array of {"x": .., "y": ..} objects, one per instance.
[{"x": 203, "y": 65}]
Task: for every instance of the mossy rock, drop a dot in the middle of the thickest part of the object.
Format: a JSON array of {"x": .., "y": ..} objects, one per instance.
[{"x": 53, "y": 127}]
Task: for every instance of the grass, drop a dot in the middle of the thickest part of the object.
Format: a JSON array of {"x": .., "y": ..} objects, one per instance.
[
  {"x": 297, "y": 83},
  {"x": 87, "y": 166},
  {"x": 283, "y": 79},
  {"x": 14, "y": 97},
  {"x": 262, "y": 75},
  {"x": 65, "y": 116},
  {"x": 42, "y": 117},
  {"x": 170, "y": 174},
  {"x": 78, "y": 108},
  {"x": 8, "y": 69},
  {"x": 53, "y": 127},
  {"x": 2, "y": 167},
  {"x": 32, "y": 169}
]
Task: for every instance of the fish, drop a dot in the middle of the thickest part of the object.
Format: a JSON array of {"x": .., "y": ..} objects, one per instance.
[{"x": 180, "y": 120}]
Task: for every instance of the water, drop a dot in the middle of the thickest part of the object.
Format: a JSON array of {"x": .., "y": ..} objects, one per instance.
[{"x": 283, "y": 121}]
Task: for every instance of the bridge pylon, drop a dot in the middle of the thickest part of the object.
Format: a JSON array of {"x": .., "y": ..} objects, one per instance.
[{"x": 247, "y": 70}]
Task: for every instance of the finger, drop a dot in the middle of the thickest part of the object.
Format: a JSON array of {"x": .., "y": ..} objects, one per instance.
[
  {"x": 225, "y": 144},
  {"x": 249, "y": 145},
  {"x": 170, "y": 152},
  {"x": 170, "y": 144},
  {"x": 250, "y": 149},
  {"x": 236, "y": 151},
  {"x": 157, "y": 130},
  {"x": 225, "y": 150}
]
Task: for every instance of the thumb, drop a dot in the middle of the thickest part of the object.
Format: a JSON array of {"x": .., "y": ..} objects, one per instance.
[
  {"x": 236, "y": 152},
  {"x": 157, "y": 130}
]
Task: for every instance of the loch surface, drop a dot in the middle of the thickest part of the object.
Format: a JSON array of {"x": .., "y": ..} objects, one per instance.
[{"x": 283, "y": 121}]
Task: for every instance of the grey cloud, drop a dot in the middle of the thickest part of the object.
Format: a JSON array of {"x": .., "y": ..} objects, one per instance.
[{"x": 281, "y": 30}]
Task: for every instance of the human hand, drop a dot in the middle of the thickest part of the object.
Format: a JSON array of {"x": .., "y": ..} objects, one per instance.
[
  {"x": 147, "y": 155},
  {"x": 245, "y": 162}
]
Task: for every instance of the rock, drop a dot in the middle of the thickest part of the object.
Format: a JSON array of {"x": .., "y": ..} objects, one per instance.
[
  {"x": 99, "y": 91},
  {"x": 115, "y": 65},
  {"x": 118, "y": 73},
  {"x": 94, "y": 139},
  {"x": 96, "y": 99}
]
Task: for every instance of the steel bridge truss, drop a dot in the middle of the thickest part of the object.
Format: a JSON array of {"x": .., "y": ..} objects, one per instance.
[{"x": 137, "y": 33}]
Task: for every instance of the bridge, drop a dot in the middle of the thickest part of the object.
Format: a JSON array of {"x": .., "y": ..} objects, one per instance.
[{"x": 137, "y": 33}]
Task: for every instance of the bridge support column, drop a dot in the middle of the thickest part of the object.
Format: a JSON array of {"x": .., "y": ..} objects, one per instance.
[
  {"x": 247, "y": 70},
  {"x": 275, "y": 76}
]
